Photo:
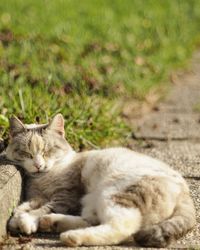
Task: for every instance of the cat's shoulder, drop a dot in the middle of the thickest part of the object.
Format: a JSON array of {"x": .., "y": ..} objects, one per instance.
[{"x": 111, "y": 151}]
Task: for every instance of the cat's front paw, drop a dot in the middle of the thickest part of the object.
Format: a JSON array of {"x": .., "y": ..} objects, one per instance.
[
  {"x": 46, "y": 224},
  {"x": 28, "y": 223},
  {"x": 71, "y": 239},
  {"x": 13, "y": 224}
]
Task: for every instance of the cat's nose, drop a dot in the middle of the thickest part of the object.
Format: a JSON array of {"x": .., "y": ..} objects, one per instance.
[{"x": 38, "y": 166}]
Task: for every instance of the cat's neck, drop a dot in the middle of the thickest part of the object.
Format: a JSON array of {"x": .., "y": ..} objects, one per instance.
[{"x": 67, "y": 159}]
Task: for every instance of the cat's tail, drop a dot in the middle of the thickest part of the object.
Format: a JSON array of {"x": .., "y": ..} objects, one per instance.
[{"x": 161, "y": 234}]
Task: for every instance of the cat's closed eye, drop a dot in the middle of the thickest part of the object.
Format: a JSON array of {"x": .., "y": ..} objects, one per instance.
[
  {"x": 25, "y": 154},
  {"x": 51, "y": 151}
]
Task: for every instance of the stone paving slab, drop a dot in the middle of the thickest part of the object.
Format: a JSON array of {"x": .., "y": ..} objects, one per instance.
[
  {"x": 165, "y": 126},
  {"x": 183, "y": 101},
  {"x": 10, "y": 191},
  {"x": 185, "y": 94},
  {"x": 7, "y": 170},
  {"x": 193, "y": 237},
  {"x": 10, "y": 194},
  {"x": 183, "y": 156},
  {"x": 54, "y": 244}
]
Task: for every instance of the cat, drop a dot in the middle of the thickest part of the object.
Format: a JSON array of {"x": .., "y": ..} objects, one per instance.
[{"x": 97, "y": 197}]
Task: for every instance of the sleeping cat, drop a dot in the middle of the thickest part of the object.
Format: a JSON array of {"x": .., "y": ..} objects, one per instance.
[{"x": 98, "y": 197}]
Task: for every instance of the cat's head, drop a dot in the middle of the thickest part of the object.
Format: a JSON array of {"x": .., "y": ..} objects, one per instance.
[{"x": 37, "y": 147}]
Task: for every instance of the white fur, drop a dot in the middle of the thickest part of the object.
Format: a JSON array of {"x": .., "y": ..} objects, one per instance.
[
  {"x": 105, "y": 174},
  {"x": 104, "y": 180},
  {"x": 33, "y": 125},
  {"x": 119, "y": 224},
  {"x": 27, "y": 223},
  {"x": 66, "y": 160}
]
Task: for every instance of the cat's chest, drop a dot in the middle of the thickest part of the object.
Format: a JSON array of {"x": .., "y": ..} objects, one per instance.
[
  {"x": 44, "y": 185},
  {"x": 55, "y": 183}
]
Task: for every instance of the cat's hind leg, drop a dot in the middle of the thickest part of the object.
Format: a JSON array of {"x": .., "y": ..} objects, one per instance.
[
  {"x": 182, "y": 220},
  {"x": 60, "y": 223},
  {"x": 117, "y": 224}
]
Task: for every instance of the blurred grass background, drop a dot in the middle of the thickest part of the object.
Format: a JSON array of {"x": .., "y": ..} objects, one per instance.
[{"x": 84, "y": 58}]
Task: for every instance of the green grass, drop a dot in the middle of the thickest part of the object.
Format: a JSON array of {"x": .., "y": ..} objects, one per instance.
[{"x": 81, "y": 57}]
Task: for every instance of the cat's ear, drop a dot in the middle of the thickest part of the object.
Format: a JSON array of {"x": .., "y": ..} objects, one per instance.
[
  {"x": 57, "y": 124},
  {"x": 16, "y": 126}
]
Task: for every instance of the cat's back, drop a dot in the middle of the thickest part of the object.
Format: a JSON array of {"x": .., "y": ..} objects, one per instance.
[{"x": 125, "y": 163}]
